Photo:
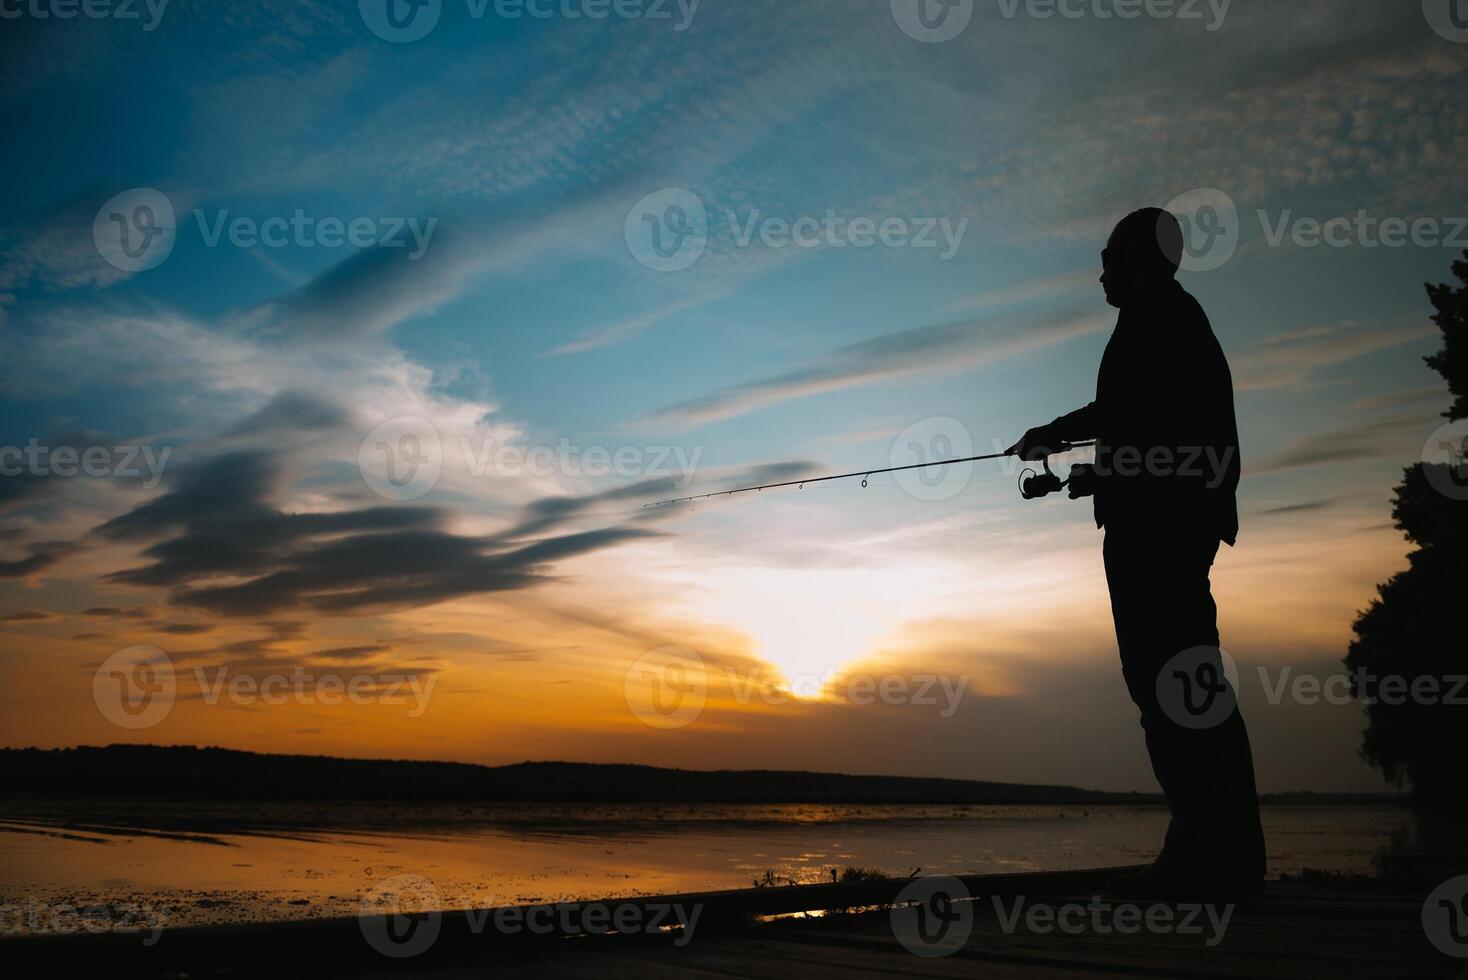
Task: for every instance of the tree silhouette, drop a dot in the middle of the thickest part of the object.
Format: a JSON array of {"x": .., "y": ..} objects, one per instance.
[{"x": 1414, "y": 630}]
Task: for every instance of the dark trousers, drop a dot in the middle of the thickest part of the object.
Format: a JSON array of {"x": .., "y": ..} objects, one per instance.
[{"x": 1162, "y": 604}]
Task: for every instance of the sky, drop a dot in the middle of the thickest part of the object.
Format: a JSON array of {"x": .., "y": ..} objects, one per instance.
[{"x": 344, "y": 345}]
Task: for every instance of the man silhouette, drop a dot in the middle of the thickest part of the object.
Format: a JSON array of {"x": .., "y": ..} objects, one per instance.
[{"x": 1164, "y": 481}]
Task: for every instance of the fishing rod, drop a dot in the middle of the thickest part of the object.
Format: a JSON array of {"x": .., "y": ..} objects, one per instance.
[{"x": 1032, "y": 484}]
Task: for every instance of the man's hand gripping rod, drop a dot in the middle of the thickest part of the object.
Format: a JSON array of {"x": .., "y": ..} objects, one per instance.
[{"x": 1031, "y": 484}]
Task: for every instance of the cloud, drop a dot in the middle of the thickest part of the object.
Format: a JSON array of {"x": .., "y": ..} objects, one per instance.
[
  {"x": 42, "y": 555},
  {"x": 115, "y": 612},
  {"x": 940, "y": 348},
  {"x": 20, "y": 489},
  {"x": 1311, "y": 505},
  {"x": 217, "y": 521},
  {"x": 1290, "y": 360},
  {"x": 185, "y": 629},
  {"x": 1046, "y": 287},
  {"x": 549, "y": 513},
  {"x": 1348, "y": 443},
  {"x": 55, "y": 351},
  {"x": 625, "y": 330},
  {"x": 406, "y": 569},
  {"x": 27, "y": 616},
  {"x": 1401, "y": 399},
  {"x": 291, "y": 410},
  {"x": 375, "y": 289},
  {"x": 362, "y": 652},
  {"x": 58, "y": 253}
]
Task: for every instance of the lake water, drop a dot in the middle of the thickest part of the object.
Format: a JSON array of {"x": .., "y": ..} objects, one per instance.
[{"x": 78, "y": 866}]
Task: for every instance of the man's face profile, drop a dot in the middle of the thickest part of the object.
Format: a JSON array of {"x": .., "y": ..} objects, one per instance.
[{"x": 1111, "y": 275}]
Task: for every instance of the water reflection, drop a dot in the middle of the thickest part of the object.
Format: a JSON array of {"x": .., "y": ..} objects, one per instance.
[{"x": 215, "y": 863}]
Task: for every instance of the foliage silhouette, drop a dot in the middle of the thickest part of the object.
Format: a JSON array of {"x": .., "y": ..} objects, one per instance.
[{"x": 1412, "y": 629}]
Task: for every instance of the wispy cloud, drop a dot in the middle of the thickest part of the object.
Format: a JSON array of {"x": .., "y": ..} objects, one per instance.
[
  {"x": 1347, "y": 443},
  {"x": 625, "y": 330},
  {"x": 1291, "y": 359},
  {"x": 936, "y": 349},
  {"x": 1061, "y": 286}
]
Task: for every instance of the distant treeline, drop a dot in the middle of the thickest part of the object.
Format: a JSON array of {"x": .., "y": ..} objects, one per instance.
[{"x": 213, "y": 773}]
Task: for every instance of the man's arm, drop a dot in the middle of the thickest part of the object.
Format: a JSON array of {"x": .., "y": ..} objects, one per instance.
[
  {"x": 1045, "y": 439},
  {"x": 1078, "y": 425}
]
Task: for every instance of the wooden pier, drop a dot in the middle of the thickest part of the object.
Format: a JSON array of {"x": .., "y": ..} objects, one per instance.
[{"x": 1046, "y": 926}]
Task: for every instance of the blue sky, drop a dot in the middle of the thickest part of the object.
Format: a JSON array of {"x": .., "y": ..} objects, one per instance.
[{"x": 528, "y": 144}]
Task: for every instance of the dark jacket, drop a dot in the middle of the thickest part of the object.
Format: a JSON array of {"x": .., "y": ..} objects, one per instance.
[{"x": 1167, "y": 442}]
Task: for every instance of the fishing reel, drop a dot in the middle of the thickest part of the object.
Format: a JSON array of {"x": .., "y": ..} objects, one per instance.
[{"x": 1034, "y": 485}]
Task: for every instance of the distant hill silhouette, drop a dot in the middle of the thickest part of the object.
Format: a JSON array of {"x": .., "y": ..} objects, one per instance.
[{"x": 214, "y": 773}]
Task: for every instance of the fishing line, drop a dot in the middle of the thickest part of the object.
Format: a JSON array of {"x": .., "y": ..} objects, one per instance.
[{"x": 1032, "y": 483}]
